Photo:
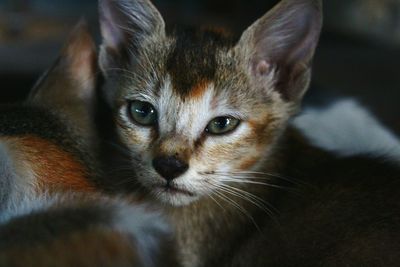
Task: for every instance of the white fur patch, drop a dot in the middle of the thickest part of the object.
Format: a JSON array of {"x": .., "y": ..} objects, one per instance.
[
  {"x": 17, "y": 181},
  {"x": 347, "y": 128},
  {"x": 147, "y": 228},
  {"x": 7, "y": 175},
  {"x": 26, "y": 205}
]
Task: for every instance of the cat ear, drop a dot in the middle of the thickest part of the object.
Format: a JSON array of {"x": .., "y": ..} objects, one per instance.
[
  {"x": 69, "y": 87},
  {"x": 125, "y": 24},
  {"x": 282, "y": 43}
]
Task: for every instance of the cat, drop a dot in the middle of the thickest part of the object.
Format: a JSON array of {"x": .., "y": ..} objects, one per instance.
[
  {"x": 201, "y": 119},
  {"x": 52, "y": 210}
]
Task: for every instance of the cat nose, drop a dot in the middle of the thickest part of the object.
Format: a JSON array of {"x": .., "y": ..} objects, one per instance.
[{"x": 169, "y": 167}]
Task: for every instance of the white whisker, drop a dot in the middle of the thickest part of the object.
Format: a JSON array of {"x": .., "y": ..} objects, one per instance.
[
  {"x": 247, "y": 180},
  {"x": 255, "y": 200},
  {"x": 237, "y": 206}
]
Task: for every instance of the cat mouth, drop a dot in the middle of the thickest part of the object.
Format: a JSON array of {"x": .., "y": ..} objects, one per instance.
[{"x": 173, "y": 189}]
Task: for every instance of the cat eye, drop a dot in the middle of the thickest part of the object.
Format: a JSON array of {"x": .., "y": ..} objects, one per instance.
[
  {"x": 222, "y": 125},
  {"x": 142, "y": 113}
]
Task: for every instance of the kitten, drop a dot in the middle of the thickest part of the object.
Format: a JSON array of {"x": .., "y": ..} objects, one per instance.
[
  {"x": 202, "y": 119},
  {"x": 52, "y": 211}
]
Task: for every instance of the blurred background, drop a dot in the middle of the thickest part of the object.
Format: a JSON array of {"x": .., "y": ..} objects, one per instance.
[{"x": 359, "y": 52}]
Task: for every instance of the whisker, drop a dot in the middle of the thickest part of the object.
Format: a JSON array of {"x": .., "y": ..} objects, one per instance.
[
  {"x": 216, "y": 202},
  {"x": 227, "y": 177},
  {"x": 255, "y": 200},
  {"x": 245, "y": 180},
  {"x": 238, "y": 207},
  {"x": 265, "y": 175}
]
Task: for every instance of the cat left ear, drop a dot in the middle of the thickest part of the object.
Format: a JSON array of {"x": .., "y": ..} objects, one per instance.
[
  {"x": 69, "y": 87},
  {"x": 125, "y": 25},
  {"x": 282, "y": 44}
]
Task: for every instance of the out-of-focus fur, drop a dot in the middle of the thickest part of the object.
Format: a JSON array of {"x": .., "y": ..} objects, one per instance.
[
  {"x": 52, "y": 209},
  {"x": 347, "y": 128},
  {"x": 80, "y": 230}
]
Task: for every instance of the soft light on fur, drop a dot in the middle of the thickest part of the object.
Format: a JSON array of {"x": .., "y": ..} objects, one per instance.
[{"x": 347, "y": 128}]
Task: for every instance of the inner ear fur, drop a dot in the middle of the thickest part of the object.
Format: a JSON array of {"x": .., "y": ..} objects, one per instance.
[{"x": 125, "y": 24}]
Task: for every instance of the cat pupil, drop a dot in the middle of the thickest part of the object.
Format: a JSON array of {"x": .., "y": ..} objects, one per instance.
[
  {"x": 222, "y": 122},
  {"x": 144, "y": 111}
]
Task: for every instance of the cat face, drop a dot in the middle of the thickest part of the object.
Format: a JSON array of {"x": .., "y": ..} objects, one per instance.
[
  {"x": 196, "y": 109},
  {"x": 195, "y": 133}
]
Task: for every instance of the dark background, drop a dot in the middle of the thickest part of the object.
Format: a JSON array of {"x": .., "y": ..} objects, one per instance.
[{"x": 359, "y": 52}]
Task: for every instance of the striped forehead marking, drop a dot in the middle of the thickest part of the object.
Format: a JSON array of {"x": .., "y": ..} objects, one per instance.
[{"x": 192, "y": 61}]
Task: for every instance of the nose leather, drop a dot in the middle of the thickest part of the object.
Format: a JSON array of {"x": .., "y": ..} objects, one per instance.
[{"x": 170, "y": 167}]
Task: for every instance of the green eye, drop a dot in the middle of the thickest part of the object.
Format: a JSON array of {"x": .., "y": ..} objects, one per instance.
[
  {"x": 222, "y": 125},
  {"x": 143, "y": 113}
]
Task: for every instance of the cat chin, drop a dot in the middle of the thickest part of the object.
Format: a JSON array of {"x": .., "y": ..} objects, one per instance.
[{"x": 173, "y": 198}]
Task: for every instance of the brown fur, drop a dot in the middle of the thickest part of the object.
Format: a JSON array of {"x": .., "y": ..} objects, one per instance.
[
  {"x": 248, "y": 163},
  {"x": 52, "y": 211},
  {"x": 260, "y": 130},
  {"x": 94, "y": 248},
  {"x": 54, "y": 168},
  {"x": 199, "y": 89}
]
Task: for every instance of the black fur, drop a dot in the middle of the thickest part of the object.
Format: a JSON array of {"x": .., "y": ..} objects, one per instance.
[
  {"x": 344, "y": 211},
  {"x": 192, "y": 59},
  {"x": 25, "y": 120}
]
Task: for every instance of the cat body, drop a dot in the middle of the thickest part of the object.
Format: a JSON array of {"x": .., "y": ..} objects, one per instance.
[
  {"x": 42, "y": 151},
  {"x": 52, "y": 210},
  {"x": 328, "y": 211},
  {"x": 75, "y": 229},
  {"x": 202, "y": 119}
]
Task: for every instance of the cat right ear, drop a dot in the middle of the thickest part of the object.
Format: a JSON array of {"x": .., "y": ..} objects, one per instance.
[
  {"x": 279, "y": 47},
  {"x": 125, "y": 25}
]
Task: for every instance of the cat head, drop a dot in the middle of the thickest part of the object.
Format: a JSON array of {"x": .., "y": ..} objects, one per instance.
[{"x": 197, "y": 109}]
